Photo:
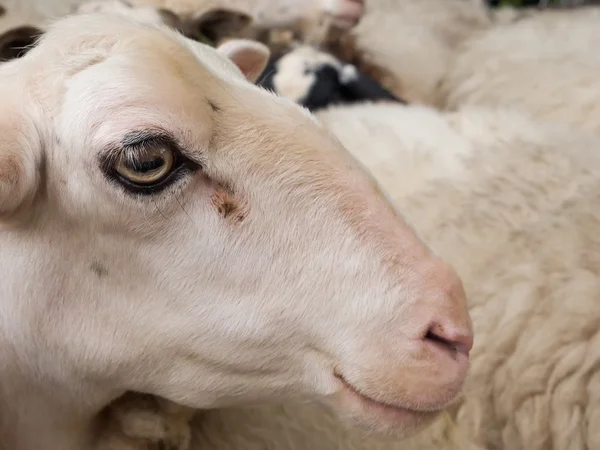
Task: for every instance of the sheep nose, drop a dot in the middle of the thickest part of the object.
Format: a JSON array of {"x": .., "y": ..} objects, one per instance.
[
  {"x": 449, "y": 328},
  {"x": 453, "y": 340}
]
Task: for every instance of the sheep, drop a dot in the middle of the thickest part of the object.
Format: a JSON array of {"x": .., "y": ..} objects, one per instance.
[
  {"x": 271, "y": 13},
  {"x": 496, "y": 194},
  {"x": 169, "y": 229},
  {"x": 265, "y": 14},
  {"x": 541, "y": 62},
  {"x": 210, "y": 26},
  {"x": 17, "y": 41},
  {"x": 546, "y": 65},
  {"x": 406, "y": 45},
  {"x": 316, "y": 80},
  {"x": 410, "y": 46}
]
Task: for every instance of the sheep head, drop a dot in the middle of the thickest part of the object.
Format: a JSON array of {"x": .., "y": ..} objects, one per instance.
[{"x": 173, "y": 229}]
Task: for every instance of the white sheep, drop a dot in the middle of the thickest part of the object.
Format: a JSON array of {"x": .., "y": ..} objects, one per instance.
[
  {"x": 496, "y": 193},
  {"x": 170, "y": 229},
  {"x": 209, "y": 26},
  {"x": 265, "y": 13},
  {"x": 453, "y": 53},
  {"x": 270, "y": 13},
  {"x": 407, "y": 45},
  {"x": 547, "y": 65}
]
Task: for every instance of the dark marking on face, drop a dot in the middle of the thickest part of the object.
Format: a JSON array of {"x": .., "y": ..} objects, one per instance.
[
  {"x": 16, "y": 42},
  {"x": 99, "y": 269},
  {"x": 214, "y": 107},
  {"x": 2, "y": 10},
  {"x": 227, "y": 204},
  {"x": 226, "y": 209}
]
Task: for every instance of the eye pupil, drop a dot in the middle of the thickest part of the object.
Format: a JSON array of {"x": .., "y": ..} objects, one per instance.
[{"x": 147, "y": 166}]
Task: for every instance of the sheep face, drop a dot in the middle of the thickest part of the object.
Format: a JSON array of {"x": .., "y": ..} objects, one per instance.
[
  {"x": 316, "y": 80},
  {"x": 170, "y": 228}
]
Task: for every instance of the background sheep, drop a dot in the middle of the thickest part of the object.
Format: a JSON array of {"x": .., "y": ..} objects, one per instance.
[
  {"x": 547, "y": 65},
  {"x": 208, "y": 27},
  {"x": 315, "y": 80},
  {"x": 407, "y": 45},
  {"x": 455, "y": 53},
  {"x": 266, "y": 14},
  {"x": 271, "y": 13}
]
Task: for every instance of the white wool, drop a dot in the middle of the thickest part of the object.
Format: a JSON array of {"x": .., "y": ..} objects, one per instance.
[
  {"x": 416, "y": 40},
  {"x": 547, "y": 65},
  {"x": 453, "y": 53}
]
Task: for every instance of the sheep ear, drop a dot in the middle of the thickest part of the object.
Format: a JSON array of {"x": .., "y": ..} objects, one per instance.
[
  {"x": 215, "y": 25},
  {"x": 251, "y": 57},
  {"x": 15, "y": 42},
  {"x": 19, "y": 156}
]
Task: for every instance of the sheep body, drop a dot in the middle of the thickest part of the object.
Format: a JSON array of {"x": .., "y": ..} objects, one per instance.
[
  {"x": 413, "y": 42},
  {"x": 454, "y": 54},
  {"x": 546, "y": 65}
]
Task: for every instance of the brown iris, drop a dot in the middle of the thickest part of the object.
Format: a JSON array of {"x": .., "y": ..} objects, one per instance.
[{"x": 146, "y": 167}]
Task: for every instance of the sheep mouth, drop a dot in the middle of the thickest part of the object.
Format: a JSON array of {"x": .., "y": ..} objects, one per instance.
[{"x": 395, "y": 413}]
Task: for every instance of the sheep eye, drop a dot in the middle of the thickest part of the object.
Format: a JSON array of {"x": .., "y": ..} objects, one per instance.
[{"x": 146, "y": 167}]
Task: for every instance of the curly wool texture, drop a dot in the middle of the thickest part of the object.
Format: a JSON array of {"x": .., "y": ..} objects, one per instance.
[{"x": 515, "y": 214}]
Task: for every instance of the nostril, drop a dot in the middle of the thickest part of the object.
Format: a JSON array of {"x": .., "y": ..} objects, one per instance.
[{"x": 454, "y": 341}]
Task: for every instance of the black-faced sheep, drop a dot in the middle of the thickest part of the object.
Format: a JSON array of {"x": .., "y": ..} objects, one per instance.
[{"x": 317, "y": 80}]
